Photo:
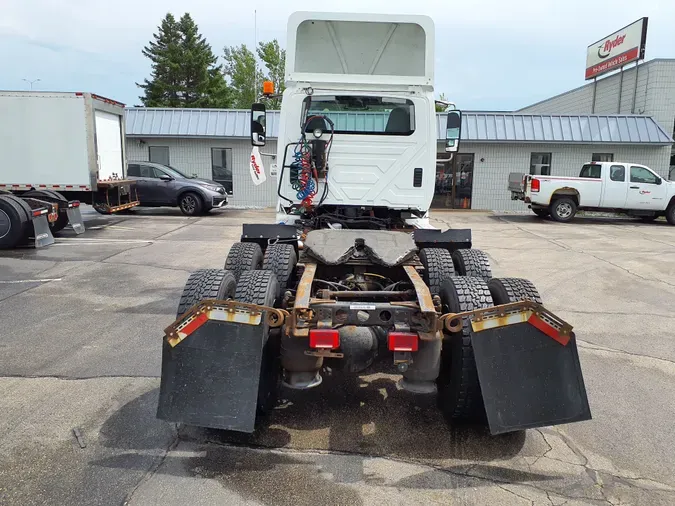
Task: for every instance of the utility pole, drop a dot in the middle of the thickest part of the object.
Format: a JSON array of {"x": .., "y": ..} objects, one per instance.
[{"x": 31, "y": 82}]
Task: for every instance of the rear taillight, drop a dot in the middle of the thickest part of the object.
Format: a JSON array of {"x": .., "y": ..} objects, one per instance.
[
  {"x": 403, "y": 341},
  {"x": 535, "y": 185},
  {"x": 324, "y": 338}
]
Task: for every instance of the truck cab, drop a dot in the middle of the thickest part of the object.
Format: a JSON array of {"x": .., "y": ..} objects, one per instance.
[{"x": 359, "y": 95}]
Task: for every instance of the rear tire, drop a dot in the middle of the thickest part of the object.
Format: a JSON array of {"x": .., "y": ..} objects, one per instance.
[
  {"x": 281, "y": 259},
  {"x": 506, "y": 290},
  {"x": 670, "y": 214},
  {"x": 261, "y": 287},
  {"x": 206, "y": 284},
  {"x": 242, "y": 257},
  {"x": 459, "y": 394},
  {"x": 14, "y": 221},
  {"x": 563, "y": 209},
  {"x": 438, "y": 266},
  {"x": 190, "y": 204},
  {"x": 473, "y": 263}
]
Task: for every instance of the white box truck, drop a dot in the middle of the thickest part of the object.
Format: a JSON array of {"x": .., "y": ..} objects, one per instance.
[{"x": 59, "y": 149}]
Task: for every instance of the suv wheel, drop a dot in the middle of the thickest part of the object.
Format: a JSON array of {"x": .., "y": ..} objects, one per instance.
[{"x": 190, "y": 204}]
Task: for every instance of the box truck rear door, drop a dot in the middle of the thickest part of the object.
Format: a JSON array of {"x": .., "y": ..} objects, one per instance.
[{"x": 109, "y": 145}]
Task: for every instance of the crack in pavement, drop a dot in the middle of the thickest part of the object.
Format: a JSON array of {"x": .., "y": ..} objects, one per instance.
[
  {"x": 157, "y": 463},
  {"x": 150, "y": 266},
  {"x": 583, "y": 344},
  {"x": 499, "y": 482},
  {"x": 502, "y": 487}
]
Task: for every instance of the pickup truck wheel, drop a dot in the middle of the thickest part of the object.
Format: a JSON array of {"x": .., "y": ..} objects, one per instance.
[
  {"x": 190, "y": 204},
  {"x": 670, "y": 214},
  {"x": 563, "y": 209},
  {"x": 459, "y": 393}
]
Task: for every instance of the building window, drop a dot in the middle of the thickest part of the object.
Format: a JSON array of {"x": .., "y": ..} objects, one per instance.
[
  {"x": 671, "y": 176},
  {"x": 602, "y": 157},
  {"x": 540, "y": 164},
  {"x": 221, "y": 167},
  {"x": 159, "y": 154}
]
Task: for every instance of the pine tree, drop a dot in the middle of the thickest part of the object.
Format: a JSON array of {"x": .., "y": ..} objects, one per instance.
[
  {"x": 240, "y": 67},
  {"x": 185, "y": 72},
  {"x": 164, "y": 87},
  {"x": 274, "y": 59}
]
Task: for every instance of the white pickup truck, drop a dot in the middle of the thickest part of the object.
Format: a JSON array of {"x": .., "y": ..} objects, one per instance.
[{"x": 627, "y": 188}]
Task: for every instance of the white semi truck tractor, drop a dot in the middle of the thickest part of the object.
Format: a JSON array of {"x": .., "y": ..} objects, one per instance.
[{"x": 352, "y": 277}]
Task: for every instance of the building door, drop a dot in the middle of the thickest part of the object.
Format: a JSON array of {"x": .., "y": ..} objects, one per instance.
[{"x": 454, "y": 181}]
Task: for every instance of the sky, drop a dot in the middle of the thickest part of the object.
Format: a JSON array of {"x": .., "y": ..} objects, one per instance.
[{"x": 490, "y": 54}]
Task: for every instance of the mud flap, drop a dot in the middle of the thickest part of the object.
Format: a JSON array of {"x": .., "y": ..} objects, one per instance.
[
  {"x": 75, "y": 219},
  {"x": 210, "y": 379},
  {"x": 528, "y": 379},
  {"x": 41, "y": 231}
]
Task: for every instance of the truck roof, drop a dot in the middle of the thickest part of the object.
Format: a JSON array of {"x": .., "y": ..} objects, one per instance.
[{"x": 381, "y": 49}]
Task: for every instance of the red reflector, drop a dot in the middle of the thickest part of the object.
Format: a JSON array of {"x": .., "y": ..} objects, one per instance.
[
  {"x": 39, "y": 212},
  {"x": 75, "y": 203},
  {"x": 551, "y": 332},
  {"x": 402, "y": 341},
  {"x": 324, "y": 338},
  {"x": 535, "y": 185}
]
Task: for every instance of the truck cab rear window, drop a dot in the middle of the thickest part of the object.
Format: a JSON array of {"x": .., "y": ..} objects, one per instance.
[
  {"x": 361, "y": 115},
  {"x": 591, "y": 171}
]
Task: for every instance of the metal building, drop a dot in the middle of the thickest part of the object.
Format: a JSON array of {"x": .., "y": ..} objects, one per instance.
[
  {"x": 214, "y": 144},
  {"x": 647, "y": 88}
]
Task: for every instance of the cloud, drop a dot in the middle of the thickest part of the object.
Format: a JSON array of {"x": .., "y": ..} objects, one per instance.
[{"x": 490, "y": 53}]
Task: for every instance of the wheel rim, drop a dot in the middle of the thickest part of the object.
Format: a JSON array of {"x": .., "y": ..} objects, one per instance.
[
  {"x": 189, "y": 204},
  {"x": 5, "y": 224},
  {"x": 564, "y": 210}
]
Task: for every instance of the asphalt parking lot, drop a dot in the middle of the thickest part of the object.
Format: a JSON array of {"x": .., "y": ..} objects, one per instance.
[{"x": 80, "y": 331}]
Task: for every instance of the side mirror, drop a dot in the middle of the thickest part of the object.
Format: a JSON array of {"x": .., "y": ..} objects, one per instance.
[
  {"x": 658, "y": 180},
  {"x": 258, "y": 124},
  {"x": 453, "y": 131},
  {"x": 165, "y": 177}
]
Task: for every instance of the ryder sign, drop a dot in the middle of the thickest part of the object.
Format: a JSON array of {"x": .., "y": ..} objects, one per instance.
[{"x": 613, "y": 52}]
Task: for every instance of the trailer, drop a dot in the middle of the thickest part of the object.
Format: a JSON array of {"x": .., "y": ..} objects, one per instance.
[
  {"x": 352, "y": 277},
  {"x": 59, "y": 150}
]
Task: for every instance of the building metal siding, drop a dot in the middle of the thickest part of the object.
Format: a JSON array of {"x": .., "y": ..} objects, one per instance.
[
  {"x": 655, "y": 95},
  {"x": 193, "y": 156}
]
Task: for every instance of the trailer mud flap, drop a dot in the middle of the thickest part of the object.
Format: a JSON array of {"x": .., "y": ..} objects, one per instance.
[
  {"x": 75, "y": 219},
  {"x": 41, "y": 232},
  {"x": 210, "y": 379},
  {"x": 528, "y": 379}
]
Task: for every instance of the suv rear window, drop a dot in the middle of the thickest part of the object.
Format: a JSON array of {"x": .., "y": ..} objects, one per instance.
[{"x": 591, "y": 171}]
